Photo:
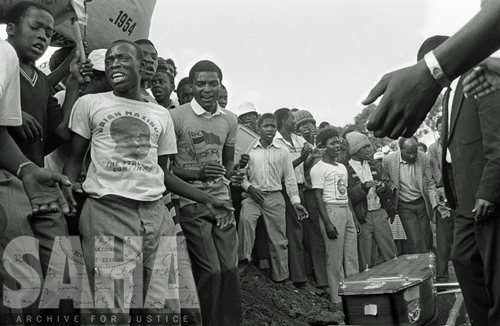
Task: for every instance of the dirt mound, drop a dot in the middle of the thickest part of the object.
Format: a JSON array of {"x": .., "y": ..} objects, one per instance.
[{"x": 266, "y": 303}]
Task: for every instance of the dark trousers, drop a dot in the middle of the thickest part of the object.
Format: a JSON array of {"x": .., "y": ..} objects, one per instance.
[
  {"x": 417, "y": 227},
  {"x": 214, "y": 257},
  {"x": 475, "y": 256},
  {"x": 294, "y": 234},
  {"x": 314, "y": 245},
  {"x": 444, "y": 242}
]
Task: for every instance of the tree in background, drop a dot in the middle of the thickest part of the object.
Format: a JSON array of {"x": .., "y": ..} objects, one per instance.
[
  {"x": 429, "y": 124},
  {"x": 360, "y": 125}
]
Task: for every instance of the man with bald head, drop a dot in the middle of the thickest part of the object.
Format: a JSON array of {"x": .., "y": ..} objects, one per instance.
[{"x": 410, "y": 173}]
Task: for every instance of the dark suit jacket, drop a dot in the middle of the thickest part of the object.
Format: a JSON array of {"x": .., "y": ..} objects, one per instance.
[{"x": 474, "y": 143}]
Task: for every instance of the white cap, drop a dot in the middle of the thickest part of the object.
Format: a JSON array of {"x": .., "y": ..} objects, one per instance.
[
  {"x": 378, "y": 155},
  {"x": 246, "y": 107},
  {"x": 97, "y": 59}
]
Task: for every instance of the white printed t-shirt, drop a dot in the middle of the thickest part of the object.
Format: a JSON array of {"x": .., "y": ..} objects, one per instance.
[
  {"x": 332, "y": 179},
  {"x": 10, "y": 91},
  {"x": 127, "y": 137}
]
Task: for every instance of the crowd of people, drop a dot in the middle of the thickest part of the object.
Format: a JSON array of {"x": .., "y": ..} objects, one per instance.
[{"x": 124, "y": 159}]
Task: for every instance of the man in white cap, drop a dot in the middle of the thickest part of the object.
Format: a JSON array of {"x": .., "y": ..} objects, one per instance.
[
  {"x": 369, "y": 190},
  {"x": 247, "y": 115}
]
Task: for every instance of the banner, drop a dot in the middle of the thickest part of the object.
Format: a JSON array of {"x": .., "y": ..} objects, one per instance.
[{"x": 108, "y": 21}]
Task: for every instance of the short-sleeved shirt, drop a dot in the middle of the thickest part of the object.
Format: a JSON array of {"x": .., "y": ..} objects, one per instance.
[
  {"x": 127, "y": 137},
  {"x": 10, "y": 92},
  {"x": 332, "y": 179},
  {"x": 201, "y": 138}
]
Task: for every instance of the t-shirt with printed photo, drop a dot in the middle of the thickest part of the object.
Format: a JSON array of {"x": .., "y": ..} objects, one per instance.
[
  {"x": 127, "y": 137},
  {"x": 332, "y": 179}
]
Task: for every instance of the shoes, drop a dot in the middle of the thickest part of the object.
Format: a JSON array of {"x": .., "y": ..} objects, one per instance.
[{"x": 300, "y": 285}]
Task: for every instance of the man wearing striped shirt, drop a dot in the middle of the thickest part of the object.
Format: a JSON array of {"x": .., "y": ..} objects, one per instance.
[{"x": 269, "y": 164}]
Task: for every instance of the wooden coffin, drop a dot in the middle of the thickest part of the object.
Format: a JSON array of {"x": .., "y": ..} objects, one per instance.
[{"x": 397, "y": 292}]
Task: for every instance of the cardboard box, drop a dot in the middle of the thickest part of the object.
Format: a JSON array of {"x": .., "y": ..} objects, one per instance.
[{"x": 397, "y": 292}]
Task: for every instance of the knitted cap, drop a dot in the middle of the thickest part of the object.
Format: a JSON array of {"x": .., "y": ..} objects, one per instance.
[
  {"x": 246, "y": 107},
  {"x": 302, "y": 116},
  {"x": 356, "y": 141}
]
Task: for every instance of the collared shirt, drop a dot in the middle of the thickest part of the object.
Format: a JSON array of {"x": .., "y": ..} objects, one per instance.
[
  {"x": 409, "y": 189},
  {"x": 295, "y": 148},
  {"x": 453, "y": 86},
  {"x": 199, "y": 110},
  {"x": 364, "y": 173},
  {"x": 267, "y": 167}
]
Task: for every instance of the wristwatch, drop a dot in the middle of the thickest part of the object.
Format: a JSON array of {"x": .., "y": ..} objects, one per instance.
[{"x": 436, "y": 70}]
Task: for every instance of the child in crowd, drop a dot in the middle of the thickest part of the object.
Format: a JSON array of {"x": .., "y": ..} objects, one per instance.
[
  {"x": 162, "y": 85},
  {"x": 184, "y": 91}
]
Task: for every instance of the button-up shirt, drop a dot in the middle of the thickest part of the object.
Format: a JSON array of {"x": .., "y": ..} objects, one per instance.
[
  {"x": 295, "y": 148},
  {"x": 267, "y": 167},
  {"x": 362, "y": 169}
]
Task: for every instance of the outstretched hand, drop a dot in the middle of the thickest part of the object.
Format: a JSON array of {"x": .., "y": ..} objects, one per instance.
[
  {"x": 408, "y": 95},
  {"x": 42, "y": 188}
]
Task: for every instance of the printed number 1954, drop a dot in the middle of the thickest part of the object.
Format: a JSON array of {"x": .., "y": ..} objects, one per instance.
[{"x": 124, "y": 22}]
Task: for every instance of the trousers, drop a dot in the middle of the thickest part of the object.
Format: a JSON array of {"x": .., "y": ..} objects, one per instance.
[
  {"x": 214, "y": 257},
  {"x": 273, "y": 213},
  {"x": 341, "y": 253},
  {"x": 376, "y": 228}
]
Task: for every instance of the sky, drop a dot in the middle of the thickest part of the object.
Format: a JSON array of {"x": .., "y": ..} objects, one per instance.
[{"x": 320, "y": 55}]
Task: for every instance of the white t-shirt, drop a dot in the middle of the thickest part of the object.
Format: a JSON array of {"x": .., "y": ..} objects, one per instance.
[
  {"x": 332, "y": 179},
  {"x": 127, "y": 137},
  {"x": 10, "y": 91}
]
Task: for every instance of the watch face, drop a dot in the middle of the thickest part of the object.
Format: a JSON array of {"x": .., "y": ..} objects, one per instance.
[{"x": 438, "y": 73}]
